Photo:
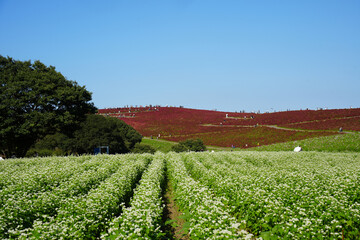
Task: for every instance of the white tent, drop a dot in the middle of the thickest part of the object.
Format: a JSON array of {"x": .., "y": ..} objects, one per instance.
[{"x": 298, "y": 149}]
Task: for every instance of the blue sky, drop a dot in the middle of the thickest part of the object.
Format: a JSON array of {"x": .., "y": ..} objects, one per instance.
[{"x": 224, "y": 55}]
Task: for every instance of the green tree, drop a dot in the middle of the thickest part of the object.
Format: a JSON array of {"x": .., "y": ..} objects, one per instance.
[
  {"x": 105, "y": 131},
  {"x": 36, "y": 100}
]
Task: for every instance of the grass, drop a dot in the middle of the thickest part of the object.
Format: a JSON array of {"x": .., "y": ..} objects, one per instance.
[
  {"x": 336, "y": 143},
  {"x": 160, "y": 145}
]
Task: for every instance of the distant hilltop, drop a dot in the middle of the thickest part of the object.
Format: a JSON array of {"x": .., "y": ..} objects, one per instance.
[{"x": 239, "y": 129}]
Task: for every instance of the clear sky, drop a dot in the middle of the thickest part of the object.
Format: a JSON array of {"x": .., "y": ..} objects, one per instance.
[{"x": 207, "y": 54}]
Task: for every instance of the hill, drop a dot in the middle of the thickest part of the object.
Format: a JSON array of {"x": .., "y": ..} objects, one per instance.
[
  {"x": 242, "y": 130},
  {"x": 334, "y": 143}
]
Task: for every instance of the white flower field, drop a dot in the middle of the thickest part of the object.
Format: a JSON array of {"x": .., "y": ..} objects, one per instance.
[{"x": 222, "y": 195}]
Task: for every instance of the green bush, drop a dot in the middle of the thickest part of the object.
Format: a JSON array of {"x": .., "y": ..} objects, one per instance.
[
  {"x": 143, "y": 148},
  {"x": 57, "y": 144},
  {"x": 195, "y": 145},
  {"x": 179, "y": 148},
  {"x": 33, "y": 152}
]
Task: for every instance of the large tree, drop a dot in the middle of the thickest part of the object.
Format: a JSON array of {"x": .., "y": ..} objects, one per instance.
[{"x": 36, "y": 100}]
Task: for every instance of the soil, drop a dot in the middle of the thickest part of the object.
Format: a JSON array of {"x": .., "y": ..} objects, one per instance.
[{"x": 172, "y": 216}]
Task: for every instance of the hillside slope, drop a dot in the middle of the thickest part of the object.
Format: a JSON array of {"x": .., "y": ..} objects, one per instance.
[
  {"x": 335, "y": 143},
  {"x": 242, "y": 130}
]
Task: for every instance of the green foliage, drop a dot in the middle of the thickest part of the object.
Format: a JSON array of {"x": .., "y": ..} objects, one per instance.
[
  {"x": 105, "y": 131},
  {"x": 143, "y": 148},
  {"x": 195, "y": 145},
  {"x": 36, "y": 100}
]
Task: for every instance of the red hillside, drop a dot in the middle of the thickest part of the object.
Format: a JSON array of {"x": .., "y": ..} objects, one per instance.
[{"x": 238, "y": 129}]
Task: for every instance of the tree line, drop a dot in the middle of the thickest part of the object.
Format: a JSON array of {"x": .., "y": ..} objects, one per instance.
[{"x": 42, "y": 112}]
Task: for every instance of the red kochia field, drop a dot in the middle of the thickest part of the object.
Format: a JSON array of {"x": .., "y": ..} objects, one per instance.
[{"x": 239, "y": 129}]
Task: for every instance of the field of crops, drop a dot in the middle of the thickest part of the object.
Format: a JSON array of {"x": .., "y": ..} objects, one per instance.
[{"x": 223, "y": 195}]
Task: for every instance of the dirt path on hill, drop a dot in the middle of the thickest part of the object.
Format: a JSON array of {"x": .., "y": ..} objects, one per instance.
[
  {"x": 302, "y": 130},
  {"x": 275, "y": 127},
  {"x": 295, "y": 129},
  {"x": 268, "y": 126},
  {"x": 239, "y": 126},
  {"x": 285, "y": 128},
  {"x": 190, "y": 134},
  {"x": 323, "y": 120}
]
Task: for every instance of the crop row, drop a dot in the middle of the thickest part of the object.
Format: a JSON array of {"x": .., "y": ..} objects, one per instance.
[
  {"x": 208, "y": 216},
  {"x": 280, "y": 195},
  {"x": 143, "y": 219}
]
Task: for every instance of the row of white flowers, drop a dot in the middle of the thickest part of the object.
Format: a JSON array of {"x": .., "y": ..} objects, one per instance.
[
  {"x": 209, "y": 217},
  {"x": 286, "y": 195},
  {"x": 85, "y": 215},
  {"x": 143, "y": 219}
]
